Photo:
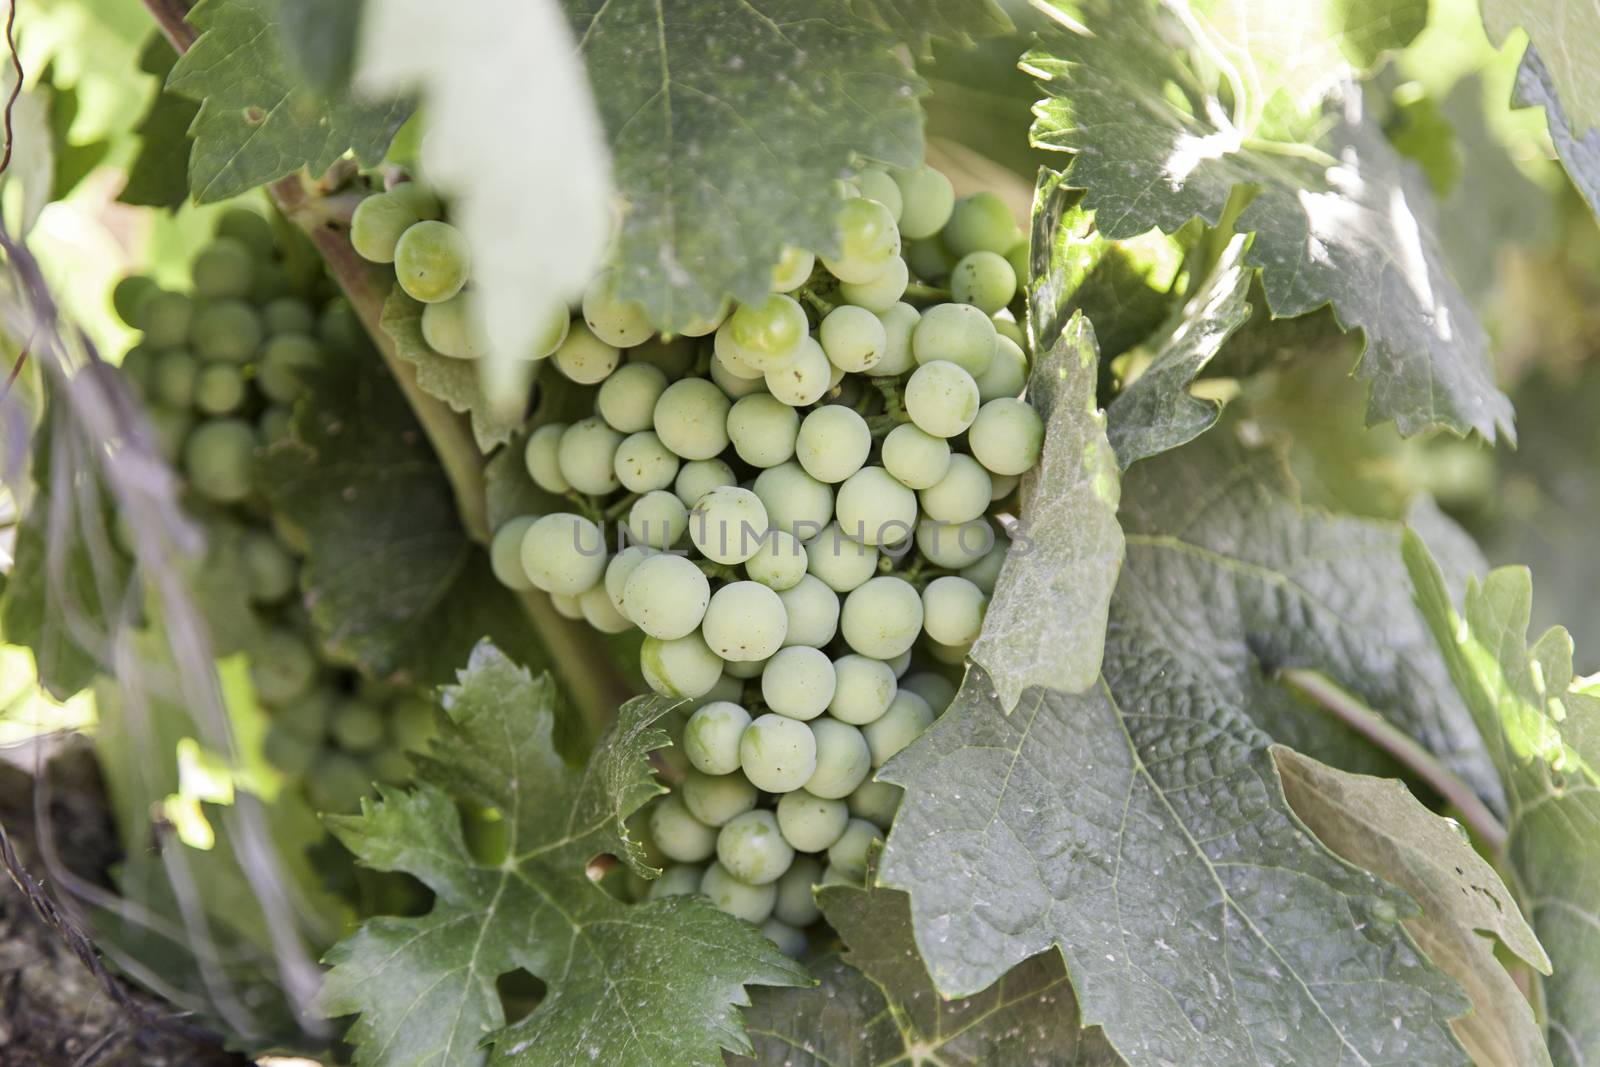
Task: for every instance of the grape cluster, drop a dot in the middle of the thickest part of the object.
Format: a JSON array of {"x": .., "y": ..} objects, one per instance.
[
  {"x": 218, "y": 368},
  {"x": 804, "y": 488}
]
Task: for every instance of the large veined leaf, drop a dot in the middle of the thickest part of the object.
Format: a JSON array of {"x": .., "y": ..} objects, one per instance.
[
  {"x": 723, "y": 147},
  {"x": 1579, "y": 149},
  {"x": 1567, "y": 36},
  {"x": 159, "y": 174},
  {"x": 455, "y": 381},
  {"x": 920, "y": 22},
  {"x": 876, "y": 1006},
  {"x": 1139, "y": 100},
  {"x": 1378, "y": 825},
  {"x": 257, "y": 120},
  {"x": 1543, "y": 730},
  {"x": 393, "y": 584},
  {"x": 656, "y": 982}
]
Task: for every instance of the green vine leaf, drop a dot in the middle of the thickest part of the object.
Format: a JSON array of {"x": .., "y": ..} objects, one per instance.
[
  {"x": 1567, "y": 37},
  {"x": 425, "y": 986},
  {"x": 920, "y": 22},
  {"x": 458, "y": 382},
  {"x": 1542, "y": 727},
  {"x": 1579, "y": 151},
  {"x": 1377, "y": 824},
  {"x": 159, "y": 173},
  {"x": 722, "y": 148},
  {"x": 1166, "y": 113},
  {"x": 257, "y": 121}
]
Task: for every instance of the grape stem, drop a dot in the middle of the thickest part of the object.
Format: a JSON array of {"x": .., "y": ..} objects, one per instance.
[
  {"x": 819, "y": 303},
  {"x": 917, "y": 292},
  {"x": 713, "y": 569}
]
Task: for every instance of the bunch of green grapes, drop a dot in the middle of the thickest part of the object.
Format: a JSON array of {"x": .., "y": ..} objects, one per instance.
[
  {"x": 219, "y": 367},
  {"x": 796, "y": 503}
]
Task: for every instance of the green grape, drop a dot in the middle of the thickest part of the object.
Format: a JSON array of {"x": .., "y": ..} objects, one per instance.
[
  {"x": 734, "y": 359},
  {"x": 432, "y": 261},
  {"x": 1002, "y": 485},
  {"x": 954, "y": 545},
  {"x": 678, "y": 880},
  {"x": 222, "y": 269},
  {"x": 702, "y": 325},
  {"x": 882, "y": 617},
  {"x": 936, "y": 689},
  {"x": 862, "y": 691},
  {"x": 269, "y": 281},
  {"x": 672, "y": 357},
  {"x": 875, "y": 509},
  {"x": 779, "y": 563},
  {"x": 617, "y": 322},
  {"x": 727, "y": 526},
  {"x": 711, "y": 738},
  {"x": 170, "y": 429},
  {"x": 270, "y": 573},
  {"x": 876, "y": 185},
  {"x": 848, "y": 855},
  {"x": 289, "y": 752},
  {"x": 795, "y": 904},
  {"x": 840, "y": 562},
  {"x": 811, "y": 823},
  {"x": 843, "y": 759},
  {"x": 172, "y": 378},
  {"x": 1017, "y": 259},
  {"x": 357, "y": 726},
  {"x": 1006, "y": 436},
  {"x": 853, "y": 338},
  {"x": 627, "y": 399},
  {"x": 282, "y": 667},
  {"x": 551, "y": 325},
  {"x": 908, "y": 716},
  {"x": 1007, "y": 375},
  {"x": 929, "y": 259},
  {"x": 658, "y": 520},
  {"x": 391, "y": 766},
  {"x": 882, "y": 292},
  {"x": 778, "y": 754},
  {"x": 961, "y": 495},
  {"x": 796, "y": 502},
  {"x": 949, "y": 655},
  {"x": 769, "y": 334},
  {"x": 642, "y": 463},
  {"x": 957, "y": 333},
  {"x": 983, "y": 279},
  {"x": 875, "y": 802},
  {"x": 598, "y": 612},
  {"x": 666, "y": 596},
  {"x": 678, "y": 834},
  {"x": 587, "y": 456},
  {"x": 752, "y": 903},
  {"x": 1007, "y": 327},
  {"x": 793, "y": 269},
  {"x": 868, "y": 237},
  {"x": 542, "y": 457},
  {"x": 505, "y": 554},
  {"x": 685, "y": 667},
  {"x": 227, "y": 330},
  {"x": 564, "y": 553},
  {"x": 338, "y": 783},
  {"x": 813, "y": 612},
  {"x": 567, "y": 606},
  {"x": 985, "y": 571},
  {"x": 450, "y": 330},
  {"x": 798, "y": 682},
  {"x": 734, "y": 382},
  {"x": 744, "y": 621},
  {"x": 763, "y": 430},
  {"x": 220, "y": 389},
  {"x": 377, "y": 223},
  {"x": 308, "y": 715},
  {"x": 927, "y": 198},
  {"x": 138, "y": 367},
  {"x": 285, "y": 359},
  {"x": 916, "y": 459},
  {"x": 787, "y": 939},
  {"x": 834, "y": 441},
  {"x": 584, "y": 358},
  {"x": 698, "y": 477},
  {"x": 804, "y": 378},
  {"x": 166, "y": 319},
  {"x": 743, "y": 671},
  {"x": 752, "y": 848},
  {"x": 941, "y": 398},
  {"x": 340, "y": 329},
  {"x": 691, "y": 418},
  {"x": 423, "y": 203},
  {"x": 274, "y": 424},
  {"x": 899, "y": 323},
  {"x": 217, "y": 458},
  {"x": 619, "y": 569},
  {"x": 717, "y": 799},
  {"x": 128, "y": 297},
  {"x": 952, "y": 610},
  {"x": 981, "y": 222},
  {"x": 250, "y": 229}
]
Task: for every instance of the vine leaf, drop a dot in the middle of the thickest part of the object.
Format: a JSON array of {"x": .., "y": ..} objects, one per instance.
[
  {"x": 627, "y": 983},
  {"x": 877, "y": 1006},
  {"x": 920, "y": 22},
  {"x": 257, "y": 120},
  {"x": 1580, "y": 152},
  {"x": 455, "y": 381},
  {"x": 1338, "y": 216},
  {"x": 1543, "y": 730},
  {"x": 159, "y": 173},
  {"x": 722, "y": 150},
  {"x": 1378, "y": 825},
  {"x": 1157, "y": 412},
  {"x": 394, "y": 586},
  {"x": 1567, "y": 37}
]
